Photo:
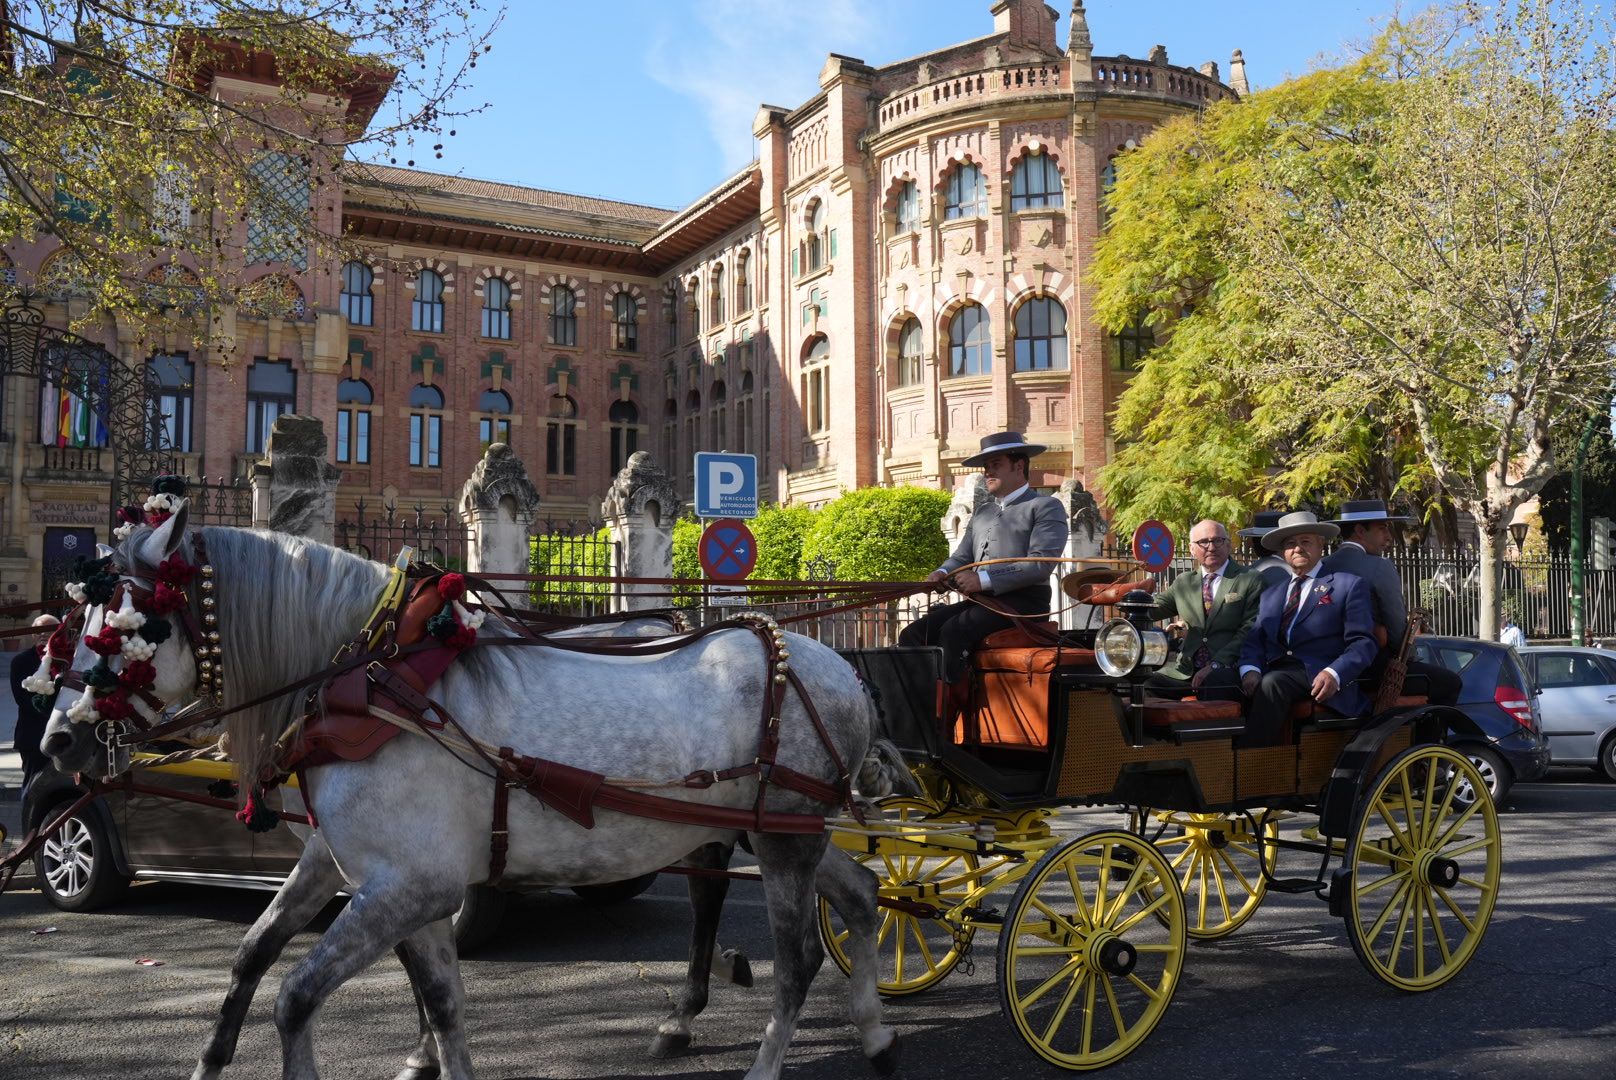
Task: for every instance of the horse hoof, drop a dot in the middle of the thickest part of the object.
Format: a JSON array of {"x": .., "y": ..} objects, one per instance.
[
  {"x": 886, "y": 1062},
  {"x": 419, "y": 1072},
  {"x": 667, "y": 1044},
  {"x": 740, "y": 970}
]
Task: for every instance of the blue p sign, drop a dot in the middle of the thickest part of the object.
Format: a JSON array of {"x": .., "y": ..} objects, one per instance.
[{"x": 726, "y": 485}]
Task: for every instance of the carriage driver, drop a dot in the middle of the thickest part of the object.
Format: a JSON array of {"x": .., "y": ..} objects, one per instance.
[{"x": 1017, "y": 523}]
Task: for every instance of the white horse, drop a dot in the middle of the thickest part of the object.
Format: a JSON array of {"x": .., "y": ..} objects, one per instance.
[{"x": 408, "y": 828}]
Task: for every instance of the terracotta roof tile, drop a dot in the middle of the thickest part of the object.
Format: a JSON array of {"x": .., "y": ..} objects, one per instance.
[{"x": 413, "y": 179}]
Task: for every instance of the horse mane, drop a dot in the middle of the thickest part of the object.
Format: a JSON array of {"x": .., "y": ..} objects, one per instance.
[{"x": 285, "y": 605}]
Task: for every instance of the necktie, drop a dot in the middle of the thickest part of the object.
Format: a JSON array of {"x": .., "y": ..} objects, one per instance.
[
  {"x": 1203, "y": 655},
  {"x": 1292, "y": 602}
]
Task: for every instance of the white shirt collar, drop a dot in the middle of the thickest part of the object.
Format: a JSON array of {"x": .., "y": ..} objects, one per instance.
[
  {"x": 1014, "y": 495},
  {"x": 1219, "y": 572},
  {"x": 1313, "y": 573}
]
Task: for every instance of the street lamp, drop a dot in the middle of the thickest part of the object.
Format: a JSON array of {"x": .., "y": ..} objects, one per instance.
[{"x": 1518, "y": 530}]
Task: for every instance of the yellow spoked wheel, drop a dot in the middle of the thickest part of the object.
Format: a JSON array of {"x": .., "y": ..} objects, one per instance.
[
  {"x": 1219, "y": 862},
  {"x": 1424, "y": 869},
  {"x": 912, "y": 952},
  {"x": 1091, "y": 949}
]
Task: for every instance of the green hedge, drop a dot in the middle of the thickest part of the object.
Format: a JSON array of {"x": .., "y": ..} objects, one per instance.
[
  {"x": 571, "y": 556},
  {"x": 881, "y": 534}
]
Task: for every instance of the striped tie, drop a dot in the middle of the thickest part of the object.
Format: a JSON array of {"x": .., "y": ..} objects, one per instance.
[
  {"x": 1203, "y": 655},
  {"x": 1292, "y": 602}
]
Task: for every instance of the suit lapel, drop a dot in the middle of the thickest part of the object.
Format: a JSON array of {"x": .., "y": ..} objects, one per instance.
[
  {"x": 1321, "y": 588},
  {"x": 1231, "y": 570}
]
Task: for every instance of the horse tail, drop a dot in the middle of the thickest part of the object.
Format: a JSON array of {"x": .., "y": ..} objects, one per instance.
[{"x": 885, "y": 772}]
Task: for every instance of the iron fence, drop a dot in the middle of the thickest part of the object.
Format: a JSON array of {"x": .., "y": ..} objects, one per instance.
[
  {"x": 574, "y": 548},
  {"x": 219, "y": 500},
  {"x": 438, "y": 535}
]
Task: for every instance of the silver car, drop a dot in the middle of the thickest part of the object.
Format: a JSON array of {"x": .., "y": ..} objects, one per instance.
[{"x": 1578, "y": 701}]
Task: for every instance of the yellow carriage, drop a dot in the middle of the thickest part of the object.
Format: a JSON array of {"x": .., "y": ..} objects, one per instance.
[{"x": 1092, "y": 929}]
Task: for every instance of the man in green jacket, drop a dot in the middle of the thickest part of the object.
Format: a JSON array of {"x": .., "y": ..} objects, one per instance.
[{"x": 1214, "y": 606}]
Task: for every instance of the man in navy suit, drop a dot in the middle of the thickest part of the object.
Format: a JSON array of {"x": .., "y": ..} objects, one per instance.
[{"x": 1314, "y": 636}]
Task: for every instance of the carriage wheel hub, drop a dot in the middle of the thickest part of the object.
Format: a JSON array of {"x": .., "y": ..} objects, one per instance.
[
  {"x": 1439, "y": 872},
  {"x": 1109, "y": 953}
]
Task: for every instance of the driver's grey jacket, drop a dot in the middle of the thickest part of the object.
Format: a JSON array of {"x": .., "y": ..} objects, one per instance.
[{"x": 1033, "y": 525}]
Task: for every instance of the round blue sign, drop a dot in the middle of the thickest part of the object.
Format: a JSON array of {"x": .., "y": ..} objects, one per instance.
[
  {"x": 1153, "y": 546},
  {"x": 728, "y": 551}
]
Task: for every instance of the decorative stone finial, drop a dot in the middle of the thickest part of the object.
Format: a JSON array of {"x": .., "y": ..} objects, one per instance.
[
  {"x": 1158, "y": 55},
  {"x": 1081, "y": 509},
  {"x": 1077, "y": 37},
  {"x": 640, "y": 484},
  {"x": 1237, "y": 74},
  {"x": 499, "y": 475}
]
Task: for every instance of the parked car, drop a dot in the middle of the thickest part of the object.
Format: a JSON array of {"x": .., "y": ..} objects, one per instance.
[
  {"x": 1578, "y": 702},
  {"x": 1504, "y": 737},
  {"x": 120, "y": 837}
]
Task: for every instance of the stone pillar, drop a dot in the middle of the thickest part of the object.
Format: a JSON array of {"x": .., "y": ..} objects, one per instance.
[
  {"x": 498, "y": 505},
  {"x": 294, "y": 488},
  {"x": 640, "y": 509},
  {"x": 970, "y": 495},
  {"x": 1085, "y": 541}
]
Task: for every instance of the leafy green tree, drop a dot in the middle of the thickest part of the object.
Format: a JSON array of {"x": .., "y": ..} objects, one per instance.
[
  {"x": 571, "y": 556},
  {"x": 881, "y": 534},
  {"x": 780, "y": 532},
  {"x": 686, "y": 559}
]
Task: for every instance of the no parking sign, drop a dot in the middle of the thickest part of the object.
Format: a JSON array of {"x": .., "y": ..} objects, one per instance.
[
  {"x": 1153, "y": 546},
  {"x": 728, "y": 551}
]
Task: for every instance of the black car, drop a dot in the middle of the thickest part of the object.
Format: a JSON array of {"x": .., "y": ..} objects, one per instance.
[{"x": 1505, "y": 739}]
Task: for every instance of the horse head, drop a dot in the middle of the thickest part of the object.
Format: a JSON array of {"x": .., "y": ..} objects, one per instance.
[{"x": 134, "y": 657}]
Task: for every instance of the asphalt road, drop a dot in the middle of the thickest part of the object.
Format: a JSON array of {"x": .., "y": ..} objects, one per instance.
[{"x": 569, "y": 991}]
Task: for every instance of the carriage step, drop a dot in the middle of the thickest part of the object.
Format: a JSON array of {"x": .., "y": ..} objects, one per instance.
[
  {"x": 1295, "y": 885},
  {"x": 985, "y": 916}
]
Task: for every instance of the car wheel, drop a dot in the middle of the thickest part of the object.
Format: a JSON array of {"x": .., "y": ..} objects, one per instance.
[
  {"x": 1607, "y": 758},
  {"x": 614, "y": 892},
  {"x": 478, "y": 917},
  {"x": 75, "y": 867},
  {"x": 1494, "y": 773}
]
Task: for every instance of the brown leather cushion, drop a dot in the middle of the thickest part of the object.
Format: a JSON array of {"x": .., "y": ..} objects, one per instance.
[
  {"x": 1013, "y": 707},
  {"x": 1165, "y": 715},
  {"x": 1406, "y": 701},
  {"x": 1107, "y": 595},
  {"x": 1022, "y": 636}
]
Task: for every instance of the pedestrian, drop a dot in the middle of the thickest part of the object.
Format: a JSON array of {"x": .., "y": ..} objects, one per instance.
[
  {"x": 1511, "y": 634},
  {"x": 30, "y": 720}
]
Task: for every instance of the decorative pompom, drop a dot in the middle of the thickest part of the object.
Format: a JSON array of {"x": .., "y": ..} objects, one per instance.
[
  {"x": 131, "y": 515},
  {"x": 462, "y": 638},
  {"x": 98, "y": 588},
  {"x": 255, "y": 815},
  {"x": 124, "y": 531},
  {"x": 452, "y": 586},
  {"x": 82, "y": 711},
  {"x": 157, "y": 517},
  {"x": 101, "y": 677},
  {"x": 169, "y": 484},
  {"x": 471, "y": 620},
  {"x": 157, "y": 629},
  {"x": 442, "y": 625},
  {"x": 222, "y": 789},
  {"x": 115, "y": 707},
  {"x": 126, "y": 617},
  {"x": 176, "y": 571},
  {"x": 83, "y": 568},
  {"x": 75, "y": 591},
  {"x": 136, "y": 675},
  {"x": 40, "y": 682},
  {"x": 138, "y": 648},
  {"x": 44, "y": 704},
  {"x": 160, "y": 503},
  {"x": 109, "y": 642},
  {"x": 166, "y": 598}
]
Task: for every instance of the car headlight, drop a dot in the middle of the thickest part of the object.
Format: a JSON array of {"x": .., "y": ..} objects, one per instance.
[
  {"x": 1118, "y": 648},
  {"x": 1155, "y": 648}
]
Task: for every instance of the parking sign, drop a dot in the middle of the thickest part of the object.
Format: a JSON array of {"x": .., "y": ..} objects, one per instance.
[{"x": 726, "y": 485}]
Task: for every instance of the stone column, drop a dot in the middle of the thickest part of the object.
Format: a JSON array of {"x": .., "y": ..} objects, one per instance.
[
  {"x": 498, "y": 505},
  {"x": 640, "y": 509},
  {"x": 295, "y": 486},
  {"x": 1085, "y": 540}
]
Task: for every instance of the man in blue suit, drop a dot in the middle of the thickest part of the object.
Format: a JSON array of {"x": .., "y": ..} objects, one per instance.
[{"x": 1314, "y": 636}]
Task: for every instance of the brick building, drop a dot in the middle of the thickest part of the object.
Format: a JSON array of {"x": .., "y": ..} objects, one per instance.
[{"x": 899, "y": 273}]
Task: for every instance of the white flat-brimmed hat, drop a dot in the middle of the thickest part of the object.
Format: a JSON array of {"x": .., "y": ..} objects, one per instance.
[
  {"x": 1357, "y": 510},
  {"x": 1005, "y": 442},
  {"x": 1302, "y": 521}
]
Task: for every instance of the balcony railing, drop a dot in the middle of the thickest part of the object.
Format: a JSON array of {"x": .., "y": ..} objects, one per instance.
[
  {"x": 90, "y": 464},
  {"x": 963, "y": 90}
]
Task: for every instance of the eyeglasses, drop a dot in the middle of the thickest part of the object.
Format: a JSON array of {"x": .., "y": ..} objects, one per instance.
[{"x": 1207, "y": 545}]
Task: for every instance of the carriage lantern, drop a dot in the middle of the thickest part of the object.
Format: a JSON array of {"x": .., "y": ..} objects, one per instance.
[{"x": 1129, "y": 643}]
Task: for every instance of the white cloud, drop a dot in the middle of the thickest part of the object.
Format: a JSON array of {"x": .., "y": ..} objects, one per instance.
[{"x": 733, "y": 55}]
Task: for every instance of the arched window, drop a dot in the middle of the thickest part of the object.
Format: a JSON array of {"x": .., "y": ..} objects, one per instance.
[
  {"x": 968, "y": 342},
  {"x": 967, "y": 193},
  {"x": 561, "y": 437},
  {"x": 720, "y": 423},
  {"x": 715, "y": 294},
  {"x": 353, "y": 422},
  {"x": 271, "y": 392},
  {"x": 743, "y": 284},
  {"x": 743, "y": 415},
  {"x": 495, "y": 425},
  {"x": 426, "y": 426},
  {"x": 816, "y": 386},
  {"x": 693, "y": 421},
  {"x": 908, "y": 208},
  {"x": 816, "y": 243},
  {"x": 1131, "y": 344},
  {"x": 171, "y": 412},
  {"x": 623, "y": 425},
  {"x": 426, "y": 310},
  {"x": 1035, "y": 183},
  {"x": 497, "y": 309},
  {"x": 1040, "y": 335},
  {"x": 625, "y": 323},
  {"x": 911, "y": 349},
  {"x": 563, "y": 316},
  {"x": 357, "y": 302}
]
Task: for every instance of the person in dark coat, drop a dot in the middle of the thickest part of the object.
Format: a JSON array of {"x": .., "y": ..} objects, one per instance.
[
  {"x": 1269, "y": 566},
  {"x": 1366, "y": 536},
  {"x": 30, "y": 721},
  {"x": 1215, "y": 604}
]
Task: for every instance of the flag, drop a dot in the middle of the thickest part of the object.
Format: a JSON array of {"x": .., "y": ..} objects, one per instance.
[{"x": 64, "y": 420}]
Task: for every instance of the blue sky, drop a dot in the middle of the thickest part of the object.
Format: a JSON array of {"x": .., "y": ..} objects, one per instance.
[{"x": 652, "y": 100}]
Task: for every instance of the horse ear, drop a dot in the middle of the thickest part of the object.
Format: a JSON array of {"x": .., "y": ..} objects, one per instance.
[
  {"x": 102, "y": 551},
  {"x": 165, "y": 539}
]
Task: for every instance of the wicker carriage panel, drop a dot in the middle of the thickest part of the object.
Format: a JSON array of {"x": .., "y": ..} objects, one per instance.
[
  {"x": 1319, "y": 752},
  {"x": 1096, "y": 753},
  {"x": 1395, "y": 744},
  {"x": 1267, "y": 770}
]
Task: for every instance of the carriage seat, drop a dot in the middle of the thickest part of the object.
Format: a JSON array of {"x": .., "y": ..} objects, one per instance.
[
  {"x": 1025, "y": 634},
  {"x": 1191, "y": 718},
  {"x": 1012, "y": 695}
]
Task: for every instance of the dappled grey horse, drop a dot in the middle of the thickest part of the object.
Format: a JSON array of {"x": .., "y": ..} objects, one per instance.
[{"x": 409, "y": 826}]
